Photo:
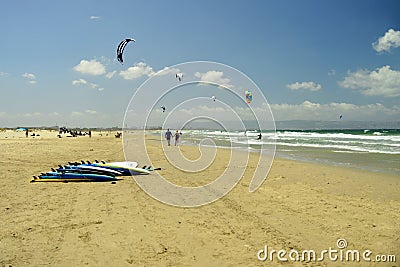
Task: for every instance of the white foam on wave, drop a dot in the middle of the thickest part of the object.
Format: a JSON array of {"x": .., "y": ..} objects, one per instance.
[
  {"x": 286, "y": 134},
  {"x": 344, "y": 142}
]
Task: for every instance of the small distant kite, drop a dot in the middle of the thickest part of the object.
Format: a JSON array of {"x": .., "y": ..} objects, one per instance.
[
  {"x": 121, "y": 48},
  {"x": 163, "y": 108},
  {"x": 179, "y": 76},
  {"x": 213, "y": 98},
  {"x": 341, "y": 116},
  {"x": 249, "y": 96}
]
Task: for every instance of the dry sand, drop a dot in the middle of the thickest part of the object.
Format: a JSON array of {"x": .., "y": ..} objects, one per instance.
[{"x": 301, "y": 206}]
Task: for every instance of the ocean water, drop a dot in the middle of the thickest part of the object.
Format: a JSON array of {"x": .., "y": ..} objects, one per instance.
[{"x": 373, "y": 150}]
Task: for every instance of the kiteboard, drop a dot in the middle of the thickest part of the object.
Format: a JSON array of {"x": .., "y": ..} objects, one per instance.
[
  {"x": 121, "y": 164},
  {"x": 125, "y": 167},
  {"x": 72, "y": 177},
  {"x": 89, "y": 169}
]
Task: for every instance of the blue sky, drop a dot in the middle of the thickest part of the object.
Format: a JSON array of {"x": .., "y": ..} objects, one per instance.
[{"x": 313, "y": 60}]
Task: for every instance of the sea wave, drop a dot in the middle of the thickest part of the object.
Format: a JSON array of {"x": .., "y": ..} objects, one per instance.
[{"x": 363, "y": 141}]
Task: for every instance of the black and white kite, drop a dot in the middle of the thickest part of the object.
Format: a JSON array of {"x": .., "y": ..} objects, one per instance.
[
  {"x": 163, "y": 108},
  {"x": 179, "y": 76},
  {"x": 121, "y": 48}
]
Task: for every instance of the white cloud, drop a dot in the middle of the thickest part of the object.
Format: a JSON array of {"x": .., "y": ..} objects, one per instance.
[
  {"x": 391, "y": 39},
  {"x": 32, "y": 114},
  {"x": 380, "y": 82},
  {"x": 91, "y": 67},
  {"x": 204, "y": 110},
  {"x": 30, "y": 77},
  {"x": 332, "y": 72},
  {"x": 214, "y": 77},
  {"x": 82, "y": 113},
  {"x": 110, "y": 74},
  {"x": 94, "y": 17},
  {"x": 76, "y": 113},
  {"x": 312, "y": 86},
  {"x": 142, "y": 69},
  {"x": 91, "y": 111},
  {"x": 315, "y": 111},
  {"x": 167, "y": 71},
  {"x": 219, "y": 113},
  {"x": 79, "y": 82},
  {"x": 307, "y": 110},
  {"x": 138, "y": 70},
  {"x": 86, "y": 83},
  {"x": 93, "y": 85},
  {"x": 3, "y": 74}
]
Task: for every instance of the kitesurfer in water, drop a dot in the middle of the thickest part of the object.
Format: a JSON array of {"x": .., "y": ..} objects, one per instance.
[{"x": 179, "y": 76}]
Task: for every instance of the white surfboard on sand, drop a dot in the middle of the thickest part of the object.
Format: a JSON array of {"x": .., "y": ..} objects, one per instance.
[{"x": 121, "y": 164}]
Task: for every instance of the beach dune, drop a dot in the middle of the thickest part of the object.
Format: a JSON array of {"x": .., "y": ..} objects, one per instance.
[{"x": 301, "y": 206}]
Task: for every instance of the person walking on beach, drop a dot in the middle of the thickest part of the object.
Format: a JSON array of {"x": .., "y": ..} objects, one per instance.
[
  {"x": 177, "y": 134},
  {"x": 168, "y": 135}
]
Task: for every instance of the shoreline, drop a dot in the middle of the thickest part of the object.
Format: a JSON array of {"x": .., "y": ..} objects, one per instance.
[
  {"x": 281, "y": 154},
  {"x": 340, "y": 149},
  {"x": 284, "y": 155}
]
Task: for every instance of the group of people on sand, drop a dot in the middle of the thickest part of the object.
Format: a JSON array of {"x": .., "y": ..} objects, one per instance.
[
  {"x": 169, "y": 135},
  {"x": 74, "y": 133}
]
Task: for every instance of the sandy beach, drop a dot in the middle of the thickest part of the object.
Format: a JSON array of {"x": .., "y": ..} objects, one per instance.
[{"x": 301, "y": 206}]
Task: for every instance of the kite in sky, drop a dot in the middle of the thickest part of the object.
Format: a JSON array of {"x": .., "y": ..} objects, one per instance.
[
  {"x": 213, "y": 98},
  {"x": 179, "y": 76},
  {"x": 249, "y": 96},
  {"x": 121, "y": 48},
  {"x": 163, "y": 108}
]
